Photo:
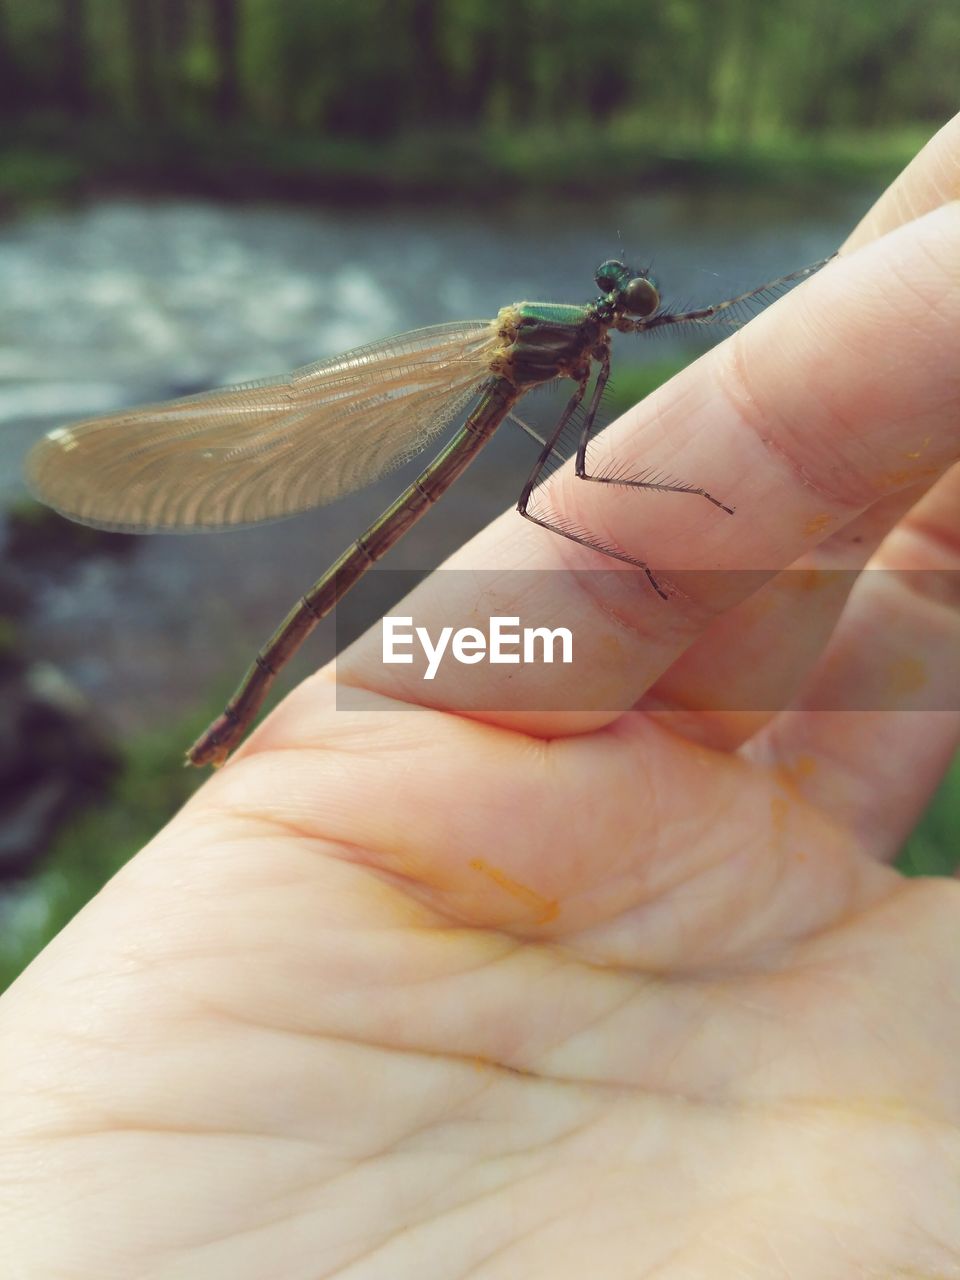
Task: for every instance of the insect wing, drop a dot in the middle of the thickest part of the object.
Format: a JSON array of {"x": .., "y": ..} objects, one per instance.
[{"x": 264, "y": 450}]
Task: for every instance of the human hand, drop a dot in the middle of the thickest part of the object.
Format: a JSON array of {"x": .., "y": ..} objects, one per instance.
[{"x": 410, "y": 994}]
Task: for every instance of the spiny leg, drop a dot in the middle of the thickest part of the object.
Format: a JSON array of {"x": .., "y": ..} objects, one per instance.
[
  {"x": 646, "y": 480},
  {"x": 526, "y": 428},
  {"x": 558, "y": 525}
]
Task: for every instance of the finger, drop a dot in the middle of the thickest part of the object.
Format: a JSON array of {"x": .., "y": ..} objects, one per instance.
[
  {"x": 931, "y": 179},
  {"x": 839, "y": 395},
  {"x": 752, "y": 661},
  {"x": 891, "y": 678}
]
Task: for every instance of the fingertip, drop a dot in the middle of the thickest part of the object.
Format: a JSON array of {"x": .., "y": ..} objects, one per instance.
[{"x": 929, "y": 181}]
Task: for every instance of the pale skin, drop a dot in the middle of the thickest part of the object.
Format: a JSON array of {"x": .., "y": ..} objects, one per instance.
[{"x": 415, "y": 995}]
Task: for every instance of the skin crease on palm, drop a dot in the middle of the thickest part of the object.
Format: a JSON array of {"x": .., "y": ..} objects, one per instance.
[{"x": 425, "y": 995}]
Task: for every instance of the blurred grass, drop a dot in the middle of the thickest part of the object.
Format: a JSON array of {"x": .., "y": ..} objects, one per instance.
[
  {"x": 934, "y": 847},
  {"x": 153, "y": 784},
  {"x": 45, "y": 159}
]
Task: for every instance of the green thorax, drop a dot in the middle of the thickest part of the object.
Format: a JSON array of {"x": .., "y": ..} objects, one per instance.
[{"x": 540, "y": 341}]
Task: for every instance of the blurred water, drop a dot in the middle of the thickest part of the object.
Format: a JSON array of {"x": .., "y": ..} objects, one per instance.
[{"x": 127, "y": 301}]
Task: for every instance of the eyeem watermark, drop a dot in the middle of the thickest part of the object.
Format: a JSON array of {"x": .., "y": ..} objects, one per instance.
[{"x": 504, "y": 642}]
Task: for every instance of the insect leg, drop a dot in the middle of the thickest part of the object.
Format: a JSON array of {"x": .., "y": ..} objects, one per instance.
[
  {"x": 526, "y": 428},
  {"x": 558, "y": 524},
  {"x": 644, "y": 480}
]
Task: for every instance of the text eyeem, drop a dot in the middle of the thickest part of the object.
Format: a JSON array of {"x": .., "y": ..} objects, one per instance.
[{"x": 504, "y": 642}]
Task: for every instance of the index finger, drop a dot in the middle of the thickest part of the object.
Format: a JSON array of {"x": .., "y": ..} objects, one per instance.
[
  {"x": 932, "y": 178},
  {"x": 754, "y": 659}
]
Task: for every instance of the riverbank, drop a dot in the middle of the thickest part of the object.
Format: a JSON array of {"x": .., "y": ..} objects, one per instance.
[{"x": 49, "y": 160}]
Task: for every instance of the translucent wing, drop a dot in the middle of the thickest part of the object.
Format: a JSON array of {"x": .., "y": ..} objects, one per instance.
[{"x": 263, "y": 450}]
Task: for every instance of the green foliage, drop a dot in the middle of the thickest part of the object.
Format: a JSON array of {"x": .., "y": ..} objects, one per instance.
[
  {"x": 44, "y": 176},
  {"x": 934, "y": 847},
  {"x": 631, "y": 383},
  {"x": 9, "y": 638},
  {"x": 718, "y": 71},
  {"x": 151, "y": 786},
  {"x": 35, "y": 534},
  {"x": 368, "y": 98},
  {"x": 234, "y": 162}
]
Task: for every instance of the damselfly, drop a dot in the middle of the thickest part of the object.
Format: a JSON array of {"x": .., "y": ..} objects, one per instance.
[{"x": 264, "y": 450}]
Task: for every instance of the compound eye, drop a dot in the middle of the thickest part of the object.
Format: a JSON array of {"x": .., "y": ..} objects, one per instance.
[
  {"x": 641, "y": 297},
  {"x": 609, "y": 275}
]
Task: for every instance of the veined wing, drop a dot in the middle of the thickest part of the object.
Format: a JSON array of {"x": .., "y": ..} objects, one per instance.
[{"x": 264, "y": 450}]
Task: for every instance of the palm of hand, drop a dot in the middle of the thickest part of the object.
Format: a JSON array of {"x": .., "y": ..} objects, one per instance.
[
  {"x": 404, "y": 994},
  {"x": 708, "y": 1061}
]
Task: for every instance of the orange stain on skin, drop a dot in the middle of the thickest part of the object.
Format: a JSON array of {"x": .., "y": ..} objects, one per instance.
[
  {"x": 811, "y": 579},
  {"x": 905, "y": 475},
  {"x": 789, "y": 777},
  {"x": 779, "y": 808},
  {"x": 818, "y": 524},
  {"x": 611, "y": 647},
  {"x": 547, "y": 908},
  {"x": 917, "y": 452},
  {"x": 907, "y": 675},
  {"x": 802, "y": 767}
]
